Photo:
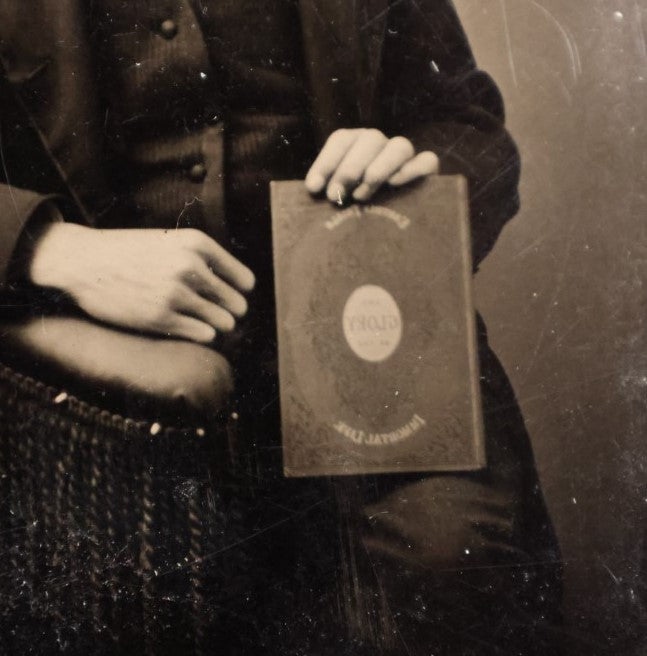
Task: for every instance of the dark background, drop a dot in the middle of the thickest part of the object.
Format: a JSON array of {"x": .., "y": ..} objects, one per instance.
[{"x": 562, "y": 292}]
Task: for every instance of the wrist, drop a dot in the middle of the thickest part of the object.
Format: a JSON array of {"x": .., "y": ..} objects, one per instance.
[{"x": 55, "y": 251}]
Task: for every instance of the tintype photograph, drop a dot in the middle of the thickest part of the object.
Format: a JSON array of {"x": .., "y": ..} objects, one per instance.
[{"x": 321, "y": 327}]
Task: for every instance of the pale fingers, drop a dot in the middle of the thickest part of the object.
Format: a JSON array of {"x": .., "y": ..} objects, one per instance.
[
  {"x": 209, "y": 285},
  {"x": 211, "y": 313},
  {"x": 351, "y": 169},
  {"x": 191, "y": 328},
  {"x": 391, "y": 158},
  {"x": 333, "y": 152},
  {"x": 424, "y": 163},
  {"x": 225, "y": 264}
]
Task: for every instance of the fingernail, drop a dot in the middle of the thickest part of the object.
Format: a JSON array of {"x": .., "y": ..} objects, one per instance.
[
  {"x": 336, "y": 194},
  {"x": 363, "y": 192},
  {"x": 315, "y": 182}
]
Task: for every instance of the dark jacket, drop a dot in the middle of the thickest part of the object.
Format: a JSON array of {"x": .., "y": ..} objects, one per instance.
[{"x": 401, "y": 65}]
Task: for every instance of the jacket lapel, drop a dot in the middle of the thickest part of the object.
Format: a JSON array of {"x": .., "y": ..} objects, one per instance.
[
  {"x": 47, "y": 57},
  {"x": 342, "y": 45}
]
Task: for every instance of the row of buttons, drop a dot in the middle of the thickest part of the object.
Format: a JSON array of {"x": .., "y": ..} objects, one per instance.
[{"x": 198, "y": 172}]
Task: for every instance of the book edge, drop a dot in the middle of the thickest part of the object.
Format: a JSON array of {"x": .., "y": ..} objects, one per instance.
[
  {"x": 479, "y": 460},
  {"x": 472, "y": 342},
  {"x": 296, "y": 472}
]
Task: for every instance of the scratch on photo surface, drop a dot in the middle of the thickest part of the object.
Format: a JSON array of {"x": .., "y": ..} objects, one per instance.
[
  {"x": 379, "y": 15},
  {"x": 535, "y": 243},
  {"x": 558, "y": 285},
  {"x": 382, "y": 512},
  {"x": 576, "y": 63},
  {"x": 508, "y": 41},
  {"x": 187, "y": 204},
  {"x": 536, "y": 563},
  {"x": 608, "y": 375},
  {"x": 237, "y": 543},
  {"x": 6, "y": 177},
  {"x": 385, "y": 600},
  {"x": 640, "y": 33},
  {"x": 269, "y": 403},
  {"x": 616, "y": 580}
]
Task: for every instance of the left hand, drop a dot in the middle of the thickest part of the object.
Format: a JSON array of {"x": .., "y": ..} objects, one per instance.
[{"x": 359, "y": 161}]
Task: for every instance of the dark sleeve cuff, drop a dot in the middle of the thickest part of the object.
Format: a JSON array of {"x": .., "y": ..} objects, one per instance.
[
  {"x": 21, "y": 219},
  {"x": 487, "y": 156}
]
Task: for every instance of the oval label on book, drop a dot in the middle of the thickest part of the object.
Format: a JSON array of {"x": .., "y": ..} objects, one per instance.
[{"x": 372, "y": 323}]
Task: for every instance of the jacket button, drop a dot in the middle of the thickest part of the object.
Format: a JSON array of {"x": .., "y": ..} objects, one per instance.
[
  {"x": 168, "y": 28},
  {"x": 197, "y": 172}
]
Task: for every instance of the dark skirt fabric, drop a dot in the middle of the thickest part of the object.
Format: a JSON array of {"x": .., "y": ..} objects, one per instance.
[{"x": 407, "y": 564}]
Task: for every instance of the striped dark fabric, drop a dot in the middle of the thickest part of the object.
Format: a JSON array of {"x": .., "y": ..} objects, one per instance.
[{"x": 202, "y": 99}]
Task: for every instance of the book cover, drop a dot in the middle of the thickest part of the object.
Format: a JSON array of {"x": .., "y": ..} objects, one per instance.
[{"x": 376, "y": 331}]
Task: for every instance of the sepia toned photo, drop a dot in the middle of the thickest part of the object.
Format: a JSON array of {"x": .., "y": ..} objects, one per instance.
[{"x": 322, "y": 328}]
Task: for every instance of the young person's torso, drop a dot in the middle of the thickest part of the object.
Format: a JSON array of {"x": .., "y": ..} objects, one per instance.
[{"x": 197, "y": 94}]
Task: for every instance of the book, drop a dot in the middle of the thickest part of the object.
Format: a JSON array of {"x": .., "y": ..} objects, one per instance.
[{"x": 378, "y": 368}]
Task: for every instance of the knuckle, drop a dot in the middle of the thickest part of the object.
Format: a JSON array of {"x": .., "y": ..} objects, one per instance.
[
  {"x": 187, "y": 266},
  {"x": 402, "y": 144},
  {"x": 172, "y": 295},
  {"x": 192, "y": 237},
  {"x": 188, "y": 234},
  {"x": 374, "y": 134},
  {"x": 338, "y": 134}
]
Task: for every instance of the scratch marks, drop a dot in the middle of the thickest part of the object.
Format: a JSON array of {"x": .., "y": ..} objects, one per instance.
[
  {"x": 571, "y": 45},
  {"x": 379, "y": 15},
  {"x": 616, "y": 580},
  {"x": 557, "y": 289},
  {"x": 574, "y": 61},
  {"x": 232, "y": 545},
  {"x": 639, "y": 30},
  {"x": 187, "y": 205},
  {"x": 508, "y": 42},
  {"x": 7, "y": 180}
]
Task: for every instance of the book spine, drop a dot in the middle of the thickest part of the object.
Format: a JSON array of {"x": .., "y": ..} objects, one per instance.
[{"x": 470, "y": 322}]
